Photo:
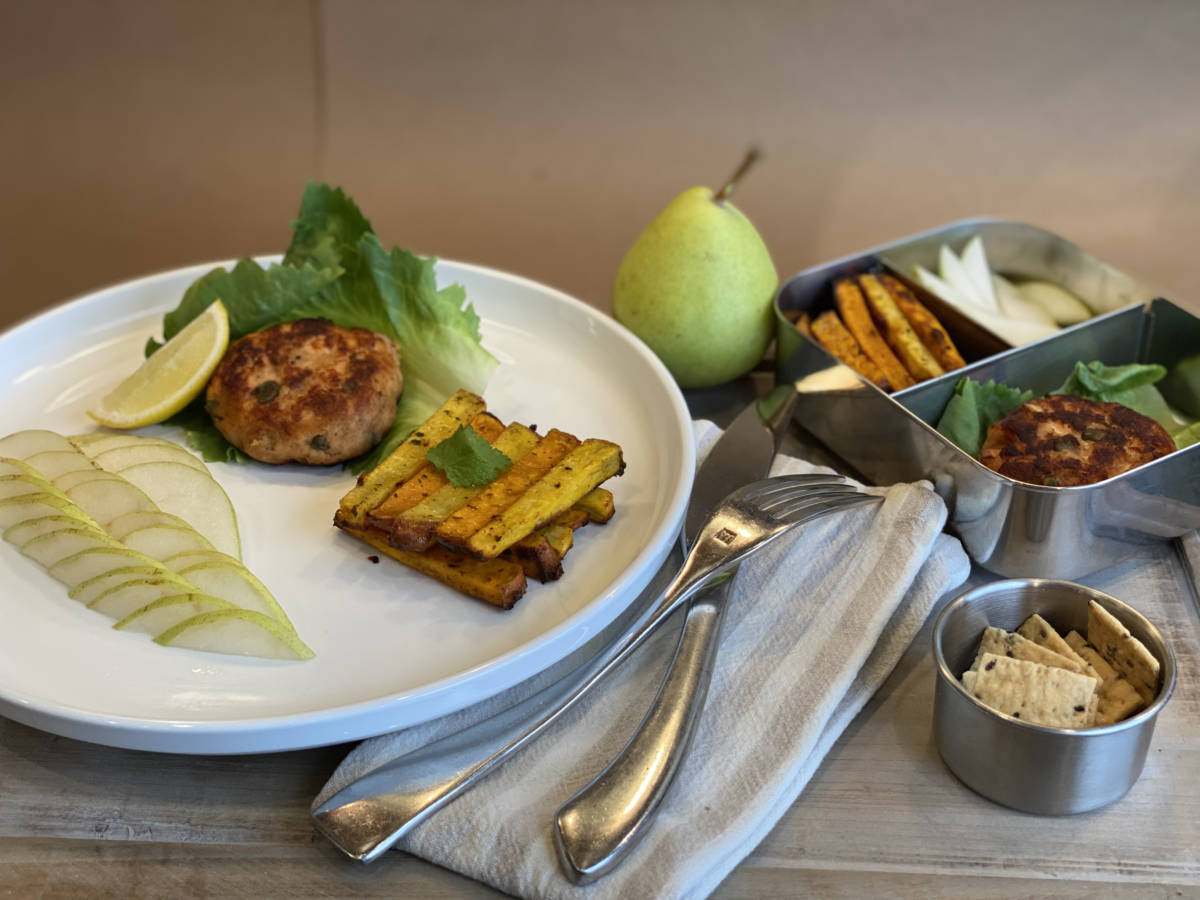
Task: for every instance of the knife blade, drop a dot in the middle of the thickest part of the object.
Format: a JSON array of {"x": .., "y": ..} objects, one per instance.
[{"x": 601, "y": 824}]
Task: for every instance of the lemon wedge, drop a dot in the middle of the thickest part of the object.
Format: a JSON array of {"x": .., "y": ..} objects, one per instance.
[{"x": 170, "y": 379}]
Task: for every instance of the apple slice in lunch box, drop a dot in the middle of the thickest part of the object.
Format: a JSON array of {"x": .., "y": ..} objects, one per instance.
[
  {"x": 49, "y": 549},
  {"x": 192, "y": 495},
  {"x": 161, "y": 615},
  {"x": 145, "y": 451},
  {"x": 232, "y": 581},
  {"x": 238, "y": 631},
  {"x": 21, "y": 444},
  {"x": 50, "y": 464},
  {"x": 88, "y": 590},
  {"x": 128, "y": 597}
]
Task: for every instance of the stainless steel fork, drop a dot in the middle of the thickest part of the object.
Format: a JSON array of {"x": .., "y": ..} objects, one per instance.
[{"x": 368, "y": 816}]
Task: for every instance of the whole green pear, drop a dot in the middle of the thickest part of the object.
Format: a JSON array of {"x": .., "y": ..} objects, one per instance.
[{"x": 698, "y": 287}]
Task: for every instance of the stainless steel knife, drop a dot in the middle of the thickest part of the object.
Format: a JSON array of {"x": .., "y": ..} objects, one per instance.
[{"x": 596, "y": 828}]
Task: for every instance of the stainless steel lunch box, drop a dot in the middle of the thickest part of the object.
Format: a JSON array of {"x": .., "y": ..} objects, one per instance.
[
  {"x": 1010, "y": 527},
  {"x": 1037, "y": 769}
]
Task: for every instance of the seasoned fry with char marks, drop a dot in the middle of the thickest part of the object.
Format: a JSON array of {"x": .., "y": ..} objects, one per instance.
[
  {"x": 403, "y": 462},
  {"x": 458, "y": 528},
  {"x": 428, "y": 480},
  {"x": 899, "y": 334},
  {"x": 857, "y": 317},
  {"x": 500, "y": 582},
  {"x": 581, "y": 470},
  {"x": 932, "y": 333},
  {"x": 413, "y": 528},
  {"x": 831, "y": 334}
]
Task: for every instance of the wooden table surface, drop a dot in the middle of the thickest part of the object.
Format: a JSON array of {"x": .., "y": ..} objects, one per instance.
[{"x": 882, "y": 816}]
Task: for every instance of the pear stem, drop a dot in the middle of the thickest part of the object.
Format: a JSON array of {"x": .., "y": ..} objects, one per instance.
[{"x": 752, "y": 156}]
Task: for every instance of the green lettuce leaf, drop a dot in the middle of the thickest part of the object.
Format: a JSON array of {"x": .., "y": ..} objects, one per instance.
[
  {"x": 1131, "y": 386},
  {"x": 1187, "y": 436},
  {"x": 335, "y": 268},
  {"x": 974, "y": 408},
  {"x": 467, "y": 459}
]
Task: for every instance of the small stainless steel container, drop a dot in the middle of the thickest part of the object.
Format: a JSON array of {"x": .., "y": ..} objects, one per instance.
[
  {"x": 1034, "y": 768},
  {"x": 1011, "y": 528}
]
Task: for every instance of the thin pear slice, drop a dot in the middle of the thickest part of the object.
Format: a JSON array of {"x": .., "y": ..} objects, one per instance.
[
  {"x": 68, "y": 480},
  {"x": 97, "y": 442},
  {"x": 236, "y": 631},
  {"x": 76, "y": 569},
  {"x": 234, "y": 582},
  {"x": 104, "y": 499},
  {"x": 192, "y": 495},
  {"x": 50, "y": 464},
  {"x": 146, "y": 451},
  {"x": 24, "y": 532},
  {"x": 161, "y": 541},
  {"x": 167, "y": 612},
  {"x": 49, "y": 549},
  {"x": 21, "y": 444},
  {"x": 11, "y": 466},
  {"x": 128, "y": 597},
  {"x": 87, "y": 591},
  {"x": 122, "y": 525},
  {"x": 32, "y": 506},
  {"x": 18, "y": 485}
]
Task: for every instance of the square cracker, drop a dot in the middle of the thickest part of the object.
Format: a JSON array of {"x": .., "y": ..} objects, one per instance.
[
  {"x": 1125, "y": 653},
  {"x": 1118, "y": 699},
  {"x": 1007, "y": 643},
  {"x": 1043, "y": 695},
  {"x": 1087, "y": 652},
  {"x": 1041, "y": 632}
]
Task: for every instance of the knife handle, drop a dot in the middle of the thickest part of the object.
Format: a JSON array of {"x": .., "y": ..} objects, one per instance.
[{"x": 596, "y": 828}]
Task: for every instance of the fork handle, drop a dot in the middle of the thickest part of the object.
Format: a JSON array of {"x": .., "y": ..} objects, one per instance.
[{"x": 597, "y": 828}]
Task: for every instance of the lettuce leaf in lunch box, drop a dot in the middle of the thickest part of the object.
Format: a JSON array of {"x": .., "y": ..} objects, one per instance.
[
  {"x": 336, "y": 269},
  {"x": 1131, "y": 385},
  {"x": 974, "y": 408}
]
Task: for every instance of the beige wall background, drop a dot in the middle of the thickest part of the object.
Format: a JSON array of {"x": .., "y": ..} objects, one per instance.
[{"x": 541, "y": 137}]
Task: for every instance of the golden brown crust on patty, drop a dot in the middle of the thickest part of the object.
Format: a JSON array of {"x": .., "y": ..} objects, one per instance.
[
  {"x": 306, "y": 391},
  {"x": 1064, "y": 440}
]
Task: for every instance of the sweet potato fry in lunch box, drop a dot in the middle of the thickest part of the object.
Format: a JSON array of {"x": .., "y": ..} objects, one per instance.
[
  {"x": 403, "y": 462},
  {"x": 857, "y": 318},
  {"x": 830, "y": 333},
  {"x": 897, "y": 331},
  {"x": 925, "y": 324}
]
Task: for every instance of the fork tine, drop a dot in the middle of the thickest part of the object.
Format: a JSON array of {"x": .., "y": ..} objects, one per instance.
[
  {"x": 772, "y": 502},
  {"x": 804, "y": 511},
  {"x": 786, "y": 483}
]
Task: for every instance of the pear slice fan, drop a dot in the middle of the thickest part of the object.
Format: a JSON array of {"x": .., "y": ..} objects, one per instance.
[{"x": 139, "y": 531}]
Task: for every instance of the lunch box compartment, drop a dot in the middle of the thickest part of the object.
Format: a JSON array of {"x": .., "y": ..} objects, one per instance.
[{"x": 1012, "y": 528}]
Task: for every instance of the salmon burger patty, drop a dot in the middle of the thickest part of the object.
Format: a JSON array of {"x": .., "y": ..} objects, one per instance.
[
  {"x": 1064, "y": 440},
  {"x": 306, "y": 391}
]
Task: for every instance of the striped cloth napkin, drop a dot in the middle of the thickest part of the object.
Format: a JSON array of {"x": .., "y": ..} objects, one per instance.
[{"x": 815, "y": 623}]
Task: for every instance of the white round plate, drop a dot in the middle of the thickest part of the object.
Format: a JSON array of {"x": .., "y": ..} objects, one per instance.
[{"x": 394, "y": 648}]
